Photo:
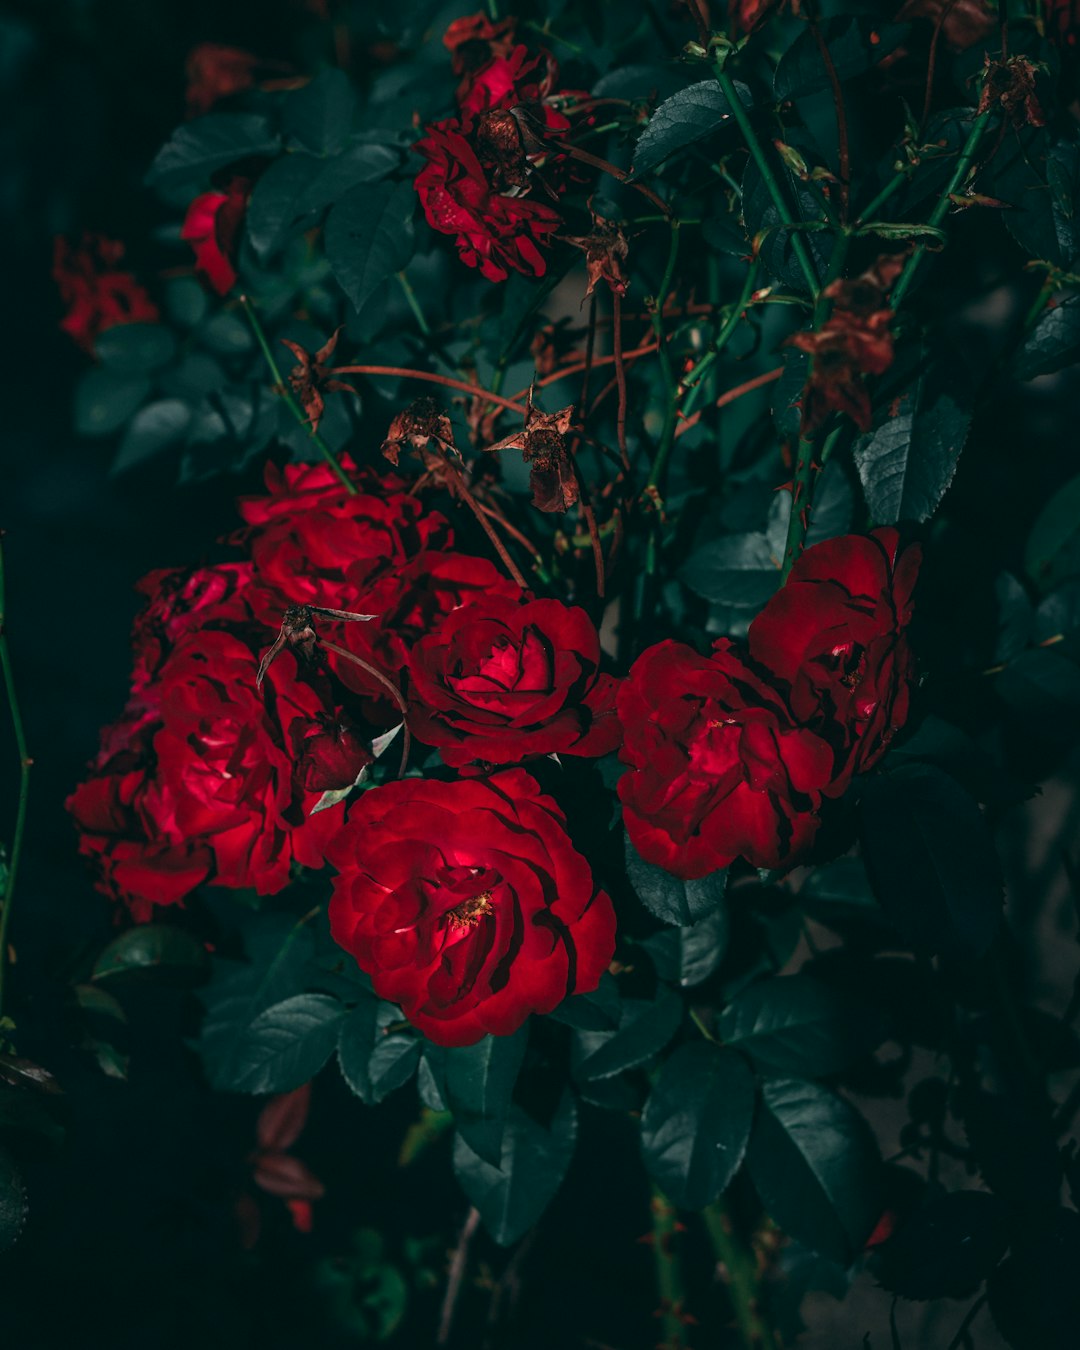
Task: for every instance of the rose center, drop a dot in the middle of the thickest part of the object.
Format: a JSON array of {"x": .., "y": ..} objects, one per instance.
[{"x": 469, "y": 913}]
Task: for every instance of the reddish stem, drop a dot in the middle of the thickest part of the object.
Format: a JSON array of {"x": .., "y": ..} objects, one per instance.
[
  {"x": 620, "y": 174},
  {"x": 730, "y": 396},
  {"x": 932, "y": 62},
  {"x": 841, "y": 115},
  {"x": 620, "y": 379},
  {"x": 500, "y": 548},
  {"x": 431, "y": 378},
  {"x": 391, "y": 688}
]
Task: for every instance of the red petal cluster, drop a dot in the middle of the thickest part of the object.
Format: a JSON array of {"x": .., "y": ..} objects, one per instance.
[
  {"x": 97, "y": 292},
  {"x": 212, "y": 227}
]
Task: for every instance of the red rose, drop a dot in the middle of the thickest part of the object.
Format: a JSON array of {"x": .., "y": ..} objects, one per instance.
[
  {"x": 494, "y": 231},
  {"x": 200, "y": 784},
  {"x": 719, "y": 768},
  {"x": 467, "y": 904},
  {"x": 329, "y": 750},
  {"x": 97, "y": 293},
  {"x": 836, "y": 635},
  {"x": 508, "y": 80},
  {"x": 313, "y": 543},
  {"x": 181, "y": 599},
  {"x": 212, "y": 227},
  {"x": 500, "y": 680},
  {"x": 474, "y": 42},
  {"x": 214, "y": 72}
]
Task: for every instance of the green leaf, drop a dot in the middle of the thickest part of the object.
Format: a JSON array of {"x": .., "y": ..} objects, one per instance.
[
  {"x": 1043, "y": 687},
  {"x": 13, "y": 1203},
  {"x": 855, "y": 46},
  {"x": 696, "y": 1123},
  {"x": 840, "y": 894},
  {"x": 512, "y": 1196},
  {"x": 104, "y": 401},
  {"x": 645, "y": 1027},
  {"x": 320, "y": 115},
  {"x": 154, "y": 429},
  {"x": 946, "y": 1249},
  {"x": 815, "y": 1165},
  {"x": 275, "y": 206},
  {"x": 1052, "y": 552},
  {"x": 154, "y": 947},
  {"x": 689, "y": 955},
  {"x": 737, "y": 569},
  {"x": 1053, "y": 343},
  {"x": 197, "y": 148},
  {"x": 682, "y": 120},
  {"x": 225, "y": 334},
  {"x": 286, "y": 1045},
  {"x": 186, "y": 301},
  {"x": 673, "y": 901},
  {"x": 480, "y": 1082},
  {"x": 374, "y": 1061},
  {"x": 337, "y": 176},
  {"x": 907, "y": 463},
  {"x": 596, "y": 1011},
  {"x": 931, "y": 860},
  {"x": 370, "y": 236},
  {"x": 795, "y": 1024},
  {"x": 135, "y": 348}
]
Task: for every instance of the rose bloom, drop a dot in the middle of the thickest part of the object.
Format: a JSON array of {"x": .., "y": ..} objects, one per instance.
[
  {"x": 98, "y": 294},
  {"x": 314, "y": 543},
  {"x": 212, "y": 227},
  {"x": 496, "y": 232},
  {"x": 198, "y": 781},
  {"x": 467, "y": 904},
  {"x": 500, "y": 680},
  {"x": 181, "y": 599},
  {"x": 836, "y": 635},
  {"x": 215, "y": 72},
  {"x": 719, "y": 767}
]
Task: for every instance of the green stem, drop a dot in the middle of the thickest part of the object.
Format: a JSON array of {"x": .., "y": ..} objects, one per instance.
[
  {"x": 24, "y": 784},
  {"x": 414, "y": 304},
  {"x": 772, "y": 185},
  {"x": 739, "y": 1269},
  {"x": 883, "y": 196},
  {"x": 668, "y": 1271},
  {"x": 286, "y": 393},
  {"x": 693, "y": 381},
  {"x": 963, "y": 164}
]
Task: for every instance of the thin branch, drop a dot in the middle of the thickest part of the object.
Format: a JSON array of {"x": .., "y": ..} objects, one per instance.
[
  {"x": 458, "y": 1265},
  {"x": 429, "y": 377},
  {"x": 24, "y": 783}
]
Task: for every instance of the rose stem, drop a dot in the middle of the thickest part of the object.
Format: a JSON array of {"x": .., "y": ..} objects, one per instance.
[
  {"x": 431, "y": 378},
  {"x": 691, "y": 383},
  {"x": 961, "y": 1337},
  {"x": 963, "y": 164},
  {"x": 391, "y": 688},
  {"x": 731, "y": 395},
  {"x": 458, "y": 1264},
  {"x": 619, "y": 174},
  {"x": 515, "y": 572},
  {"x": 668, "y": 1270},
  {"x": 738, "y": 1268},
  {"x": 772, "y": 186},
  {"x": 932, "y": 62},
  {"x": 841, "y": 114},
  {"x": 290, "y": 402},
  {"x": 24, "y": 783}
]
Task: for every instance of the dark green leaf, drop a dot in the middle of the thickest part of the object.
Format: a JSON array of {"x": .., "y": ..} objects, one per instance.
[
  {"x": 681, "y": 121},
  {"x": 186, "y": 301},
  {"x": 374, "y": 1060},
  {"x": 739, "y": 570},
  {"x": 815, "y": 1164},
  {"x": 358, "y": 164},
  {"x": 154, "y": 429},
  {"x": 154, "y": 947},
  {"x": 197, "y": 148},
  {"x": 286, "y": 1045},
  {"x": 795, "y": 1024},
  {"x": 135, "y": 348},
  {"x": 369, "y": 237},
  {"x": 104, "y": 401},
  {"x": 320, "y": 114},
  {"x": 1015, "y": 617},
  {"x": 1053, "y": 343},
  {"x": 672, "y": 900},
  {"x": 1034, "y": 1294},
  {"x": 512, "y": 1196},
  {"x": 947, "y": 1249},
  {"x": 597, "y": 1011},
  {"x": 13, "y": 1204},
  {"x": 226, "y": 334},
  {"x": 840, "y": 894},
  {"x": 1013, "y": 1147},
  {"x": 645, "y": 1028},
  {"x": 276, "y": 203},
  {"x": 1052, "y": 552},
  {"x": 689, "y": 955},
  {"x": 1058, "y": 613},
  {"x": 1043, "y": 687},
  {"x": 479, "y": 1085},
  {"x": 696, "y": 1123},
  {"x": 763, "y": 225},
  {"x": 855, "y": 46},
  {"x": 931, "y": 860},
  {"x": 907, "y": 463}
]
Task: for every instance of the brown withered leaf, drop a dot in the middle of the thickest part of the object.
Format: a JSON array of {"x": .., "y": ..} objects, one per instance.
[
  {"x": 543, "y": 442},
  {"x": 420, "y": 424},
  {"x": 311, "y": 377},
  {"x": 605, "y": 250},
  {"x": 1011, "y": 83}
]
